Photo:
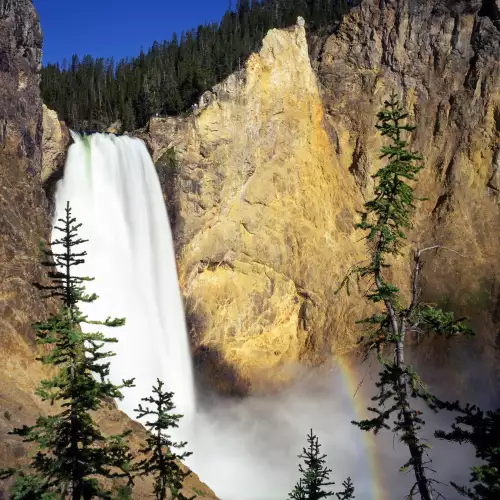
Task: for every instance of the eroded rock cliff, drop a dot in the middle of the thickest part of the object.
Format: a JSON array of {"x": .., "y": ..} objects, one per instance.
[
  {"x": 443, "y": 59},
  {"x": 269, "y": 172},
  {"x": 23, "y": 215},
  {"x": 55, "y": 143},
  {"x": 264, "y": 218},
  {"x": 24, "y": 222}
]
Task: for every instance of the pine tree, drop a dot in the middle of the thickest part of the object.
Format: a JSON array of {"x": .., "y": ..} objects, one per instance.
[
  {"x": 315, "y": 476},
  {"x": 72, "y": 452},
  {"x": 348, "y": 492},
  {"x": 161, "y": 461},
  {"x": 483, "y": 432},
  {"x": 386, "y": 217},
  {"x": 29, "y": 487}
]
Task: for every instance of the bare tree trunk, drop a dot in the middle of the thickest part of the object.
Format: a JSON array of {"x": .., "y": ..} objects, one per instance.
[
  {"x": 399, "y": 331},
  {"x": 408, "y": 423}
]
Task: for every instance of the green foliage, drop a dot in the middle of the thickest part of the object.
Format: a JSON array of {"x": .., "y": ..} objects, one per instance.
[
  {"x": 91, "y": 94},
  {"x": 123, "y": 493},
  {"x": 391, "y": 400},
  {"x": 482, "y": 430},
  {"x": 161, "y": 461},
  {"x": 315, "y": 476},
  {"x": 199, "y": 493},
  {"x": 31, "y": 487},
  {"x": 388, "y": 214},
  {"x": 171, "y": 159},
  {"x": 386, "y": 218},
  {"x": 431, "y": 319},
  {"x": 71, "y": 451}
]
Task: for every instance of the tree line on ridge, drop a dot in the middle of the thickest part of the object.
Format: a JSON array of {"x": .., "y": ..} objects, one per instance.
[{"x": 91, "y": 94}]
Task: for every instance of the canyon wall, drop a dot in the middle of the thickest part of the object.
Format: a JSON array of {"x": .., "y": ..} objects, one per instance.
[
  {"x": 23, "y": 217},
  {"x": 264, "y": 180},
  {"x": 443, "y": 60},
  {"x": 264, "y": 219},
  {"x": 29, "y": 164}
]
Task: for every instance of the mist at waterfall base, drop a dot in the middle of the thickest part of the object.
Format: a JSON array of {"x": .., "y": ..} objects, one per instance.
[
  {"x": 247, "y": 449},
  {"x": 244, "y": 449}
]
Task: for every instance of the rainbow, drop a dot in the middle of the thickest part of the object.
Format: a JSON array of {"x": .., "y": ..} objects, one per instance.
[{"x": 351, "y": 381}]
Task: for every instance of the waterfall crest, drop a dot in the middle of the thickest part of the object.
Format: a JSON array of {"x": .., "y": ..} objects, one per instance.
[{"x": 112, "y": 186}]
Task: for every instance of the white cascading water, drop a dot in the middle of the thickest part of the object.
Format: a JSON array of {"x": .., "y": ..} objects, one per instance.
[{"x": 112, "y": 186}]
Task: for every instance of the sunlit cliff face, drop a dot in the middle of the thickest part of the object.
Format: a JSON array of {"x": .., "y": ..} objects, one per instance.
[{"x": 277, "y": 162}]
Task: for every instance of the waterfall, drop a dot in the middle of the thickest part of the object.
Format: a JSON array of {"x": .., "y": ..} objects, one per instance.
[{"x": 112, "y": 186}]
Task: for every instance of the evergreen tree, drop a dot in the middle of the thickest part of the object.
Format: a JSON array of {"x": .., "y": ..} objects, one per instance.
[
  {"x": 72, "y": 452},
  {"x": 483, "y": 432},
  {"x": 348, "y": 492},
  {"x": 315, "y": 476},
  {"x": 161, "y": 461},
  {"x": 386, "y": 217},
  {"x": 30, "y": 487},
  {"x": 123, "y": 493}
]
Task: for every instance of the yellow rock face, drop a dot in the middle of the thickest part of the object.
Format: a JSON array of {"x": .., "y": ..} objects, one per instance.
[
  {"x": 271, "y": 171},
  {"x": 266, "y": 217},
  {"x": 444, "y": 63},
  {"x": 55, "y": 143}
]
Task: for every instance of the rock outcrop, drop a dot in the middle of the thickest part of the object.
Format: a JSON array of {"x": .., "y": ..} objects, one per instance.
[
  {"x": 23, "y": 215},
  {"x": 264, "y": 218},
  {"x": 55, "y": 142},
  {"x": 24, "y": 222},
  {"x": 264, "y": 180}
]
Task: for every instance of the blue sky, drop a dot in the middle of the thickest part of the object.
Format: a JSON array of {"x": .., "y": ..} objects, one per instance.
[{"x": 117, "y": 28}]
